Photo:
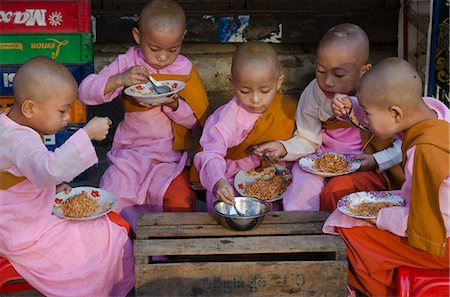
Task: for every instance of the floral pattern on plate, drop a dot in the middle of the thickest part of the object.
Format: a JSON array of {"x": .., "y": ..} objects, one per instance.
[
  {"x": 105, "y": 199},
  {"x": 307, "y": 164},
  {"x": 146, "y": 93},
  {"x": 365, "y": 205},
  {"x": 243, "y": 179}
]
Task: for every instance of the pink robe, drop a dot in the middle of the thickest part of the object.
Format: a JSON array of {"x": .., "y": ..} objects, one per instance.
[
  {"x": 395, "y": 219},
  {"x": 303, "y": 194},
  {"x": 227, "y": 127},
  {"x": 58, "y": 257},
  {"x": 142, "y": 162}
]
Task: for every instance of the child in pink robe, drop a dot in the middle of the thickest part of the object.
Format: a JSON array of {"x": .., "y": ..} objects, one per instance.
[
  {"x": 341, "y": 61},
  {"x": 146, "y": 170},
  {"x": 256, "y": 101},
  {"x": 377, "y": 247},
  {"x": 58, "y": 257}
]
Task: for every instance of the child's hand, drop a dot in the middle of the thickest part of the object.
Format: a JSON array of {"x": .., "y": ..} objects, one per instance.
[
  {"x": 97, "y": 128},
  {"x": 367, "y": 162},
  {"x": 134, "y": 75},
  {"x": 63, "y": 187},
  {"x": 224, "y": 191},
  {"x": 173, "y": 103},
  {"x": 274, "y": 150},
  {"x": 341, "y": 105}
]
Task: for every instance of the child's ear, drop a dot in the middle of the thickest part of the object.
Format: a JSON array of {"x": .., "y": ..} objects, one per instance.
[
  {"x": 27, "y": 108},
  {"x": 397, "y": 113},
  {"x": 230, "y": 78},
  {"x": 280, "y": 81},
  {"x": 136, "y": 35},
  {"x": 365, "y": 69}
]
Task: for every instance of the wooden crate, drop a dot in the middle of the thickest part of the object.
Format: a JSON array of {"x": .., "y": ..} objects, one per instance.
[{"x": 286, "y": 255}]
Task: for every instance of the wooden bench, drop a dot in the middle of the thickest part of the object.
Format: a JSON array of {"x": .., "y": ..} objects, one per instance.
[{"x": 286, "y": 255}]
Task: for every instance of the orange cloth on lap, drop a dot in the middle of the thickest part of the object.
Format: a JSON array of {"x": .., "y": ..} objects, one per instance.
[
  {"x": 342, "y": 185},
  {"x": 374, "y": 255},
  {"x": 179, "y": 196}
]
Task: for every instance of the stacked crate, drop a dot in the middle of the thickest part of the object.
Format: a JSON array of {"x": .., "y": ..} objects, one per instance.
[{"x": 58, "y": 29}]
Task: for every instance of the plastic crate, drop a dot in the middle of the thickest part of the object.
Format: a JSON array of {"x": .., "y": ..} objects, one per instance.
[
  {"x": 8, "y": 71},
  {"x": 64, "y": 48},
  {"x": 77, "y": 111},
  {"x": 45, "y": 16}
]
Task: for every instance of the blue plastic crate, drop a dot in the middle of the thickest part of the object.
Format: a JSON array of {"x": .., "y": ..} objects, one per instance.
[{"x": 7, "y": 73}]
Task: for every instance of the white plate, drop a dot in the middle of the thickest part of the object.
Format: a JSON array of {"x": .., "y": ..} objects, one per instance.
[
  {"x": 307, "y": 164},
  {"x": 105, "y": 199},
  {"x": 242, "y": 179},
  {"x": 146, "y": 94},
  {"x": 347, "y": 203}
]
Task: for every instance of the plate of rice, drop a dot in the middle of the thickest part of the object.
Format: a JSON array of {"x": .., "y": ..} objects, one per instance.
[
  {"x": 366, "y": 205},
  {"x": 262, "y": 183},
  {"x": 83, "y": 203},
  {"x": 329, "y": 164},
  {"x": 147, "y": 94}
]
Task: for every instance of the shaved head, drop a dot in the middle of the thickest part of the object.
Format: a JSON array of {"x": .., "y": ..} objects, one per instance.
[
  {"x": 393, "y": 81},
  {"x": 348, "y": 38},
  {"x": 257, "y": 55},
  {"x": 162, "y": 15},
  {"x": 37, "y": 78}
]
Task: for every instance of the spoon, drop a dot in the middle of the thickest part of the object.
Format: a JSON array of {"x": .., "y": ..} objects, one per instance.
[
  {"x": 159, "y": 87},
  {"x": 354, "y": 123},
  {"x": 277, "y": 171},
  {"x": 240, "y": 213}
]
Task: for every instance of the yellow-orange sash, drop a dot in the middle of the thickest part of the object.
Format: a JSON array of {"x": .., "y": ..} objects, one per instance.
[
  {"x": 426, "y": 227},
  {"x": 277, "y": 123},
  {"x": 194, "y": 94}
]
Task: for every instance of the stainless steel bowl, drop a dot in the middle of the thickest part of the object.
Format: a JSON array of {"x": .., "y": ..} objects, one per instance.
[{"x": 253, "y": 208}]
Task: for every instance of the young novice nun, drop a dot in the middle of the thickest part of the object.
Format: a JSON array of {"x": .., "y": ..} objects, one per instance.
[
  {"x": 58, "y": 257},
  {"x": 256, "y": 114},
  {"x": 417, "y": 234},
  {"x": 341, "y": 60},
  {"x": 150, "y": 148}
]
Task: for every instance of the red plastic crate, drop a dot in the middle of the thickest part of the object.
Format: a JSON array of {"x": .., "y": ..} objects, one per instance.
[
  {"x": 45, "y": 16},
  {"x": 415, "y": 282}
]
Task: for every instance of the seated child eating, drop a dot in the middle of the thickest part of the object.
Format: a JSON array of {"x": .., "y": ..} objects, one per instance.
[
  {"x": 341, "y": 60},
  {"x": 58, "y": 257},
  {"x": 417, "y": 234},
  {"x": 150, "y": 148},
  {"x": 257, "y": 113}
]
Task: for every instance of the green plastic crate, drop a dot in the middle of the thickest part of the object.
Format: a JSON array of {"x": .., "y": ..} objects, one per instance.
[{"x": 64, "y": 48}]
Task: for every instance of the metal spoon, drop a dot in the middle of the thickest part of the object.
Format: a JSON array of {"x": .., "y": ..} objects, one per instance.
[
  {"x": 277, "y": 171},
  {"x": 159, "y": 87},
  {"x": 357, "y": 125},
  {"x": 241, "y": 214}
]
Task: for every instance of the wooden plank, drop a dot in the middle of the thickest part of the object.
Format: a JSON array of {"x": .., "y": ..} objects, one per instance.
[
  {"x": 289, "y": 278},
  {"x": 204, "y": 218},
  {"x": 173, "y": 231},
  {"x": 239, "y": 245}
]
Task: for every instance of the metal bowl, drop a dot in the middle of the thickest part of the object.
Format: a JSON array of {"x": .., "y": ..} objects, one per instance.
[{"x": 253, "y": 208}]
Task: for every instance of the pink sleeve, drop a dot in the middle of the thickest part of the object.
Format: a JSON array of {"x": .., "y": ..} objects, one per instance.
[
  {"x": 92, "y": 88},
  {"x": 210, "y": 162},
  {"x": 183, "y": 115},
  {"x": 46, "y": 168},
  {"x": 395, "y": 219}
]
